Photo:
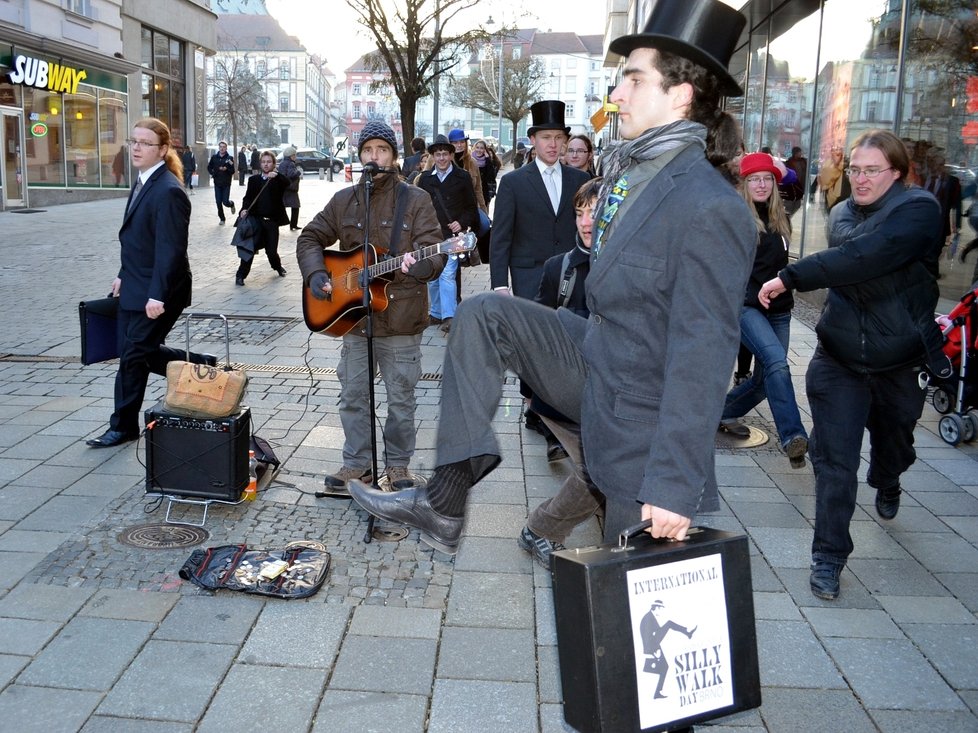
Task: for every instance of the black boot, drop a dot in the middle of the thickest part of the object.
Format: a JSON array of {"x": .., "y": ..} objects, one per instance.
[{"x": 888, "y": 502}]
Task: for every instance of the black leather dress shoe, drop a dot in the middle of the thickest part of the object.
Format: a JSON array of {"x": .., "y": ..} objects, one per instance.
[
  {"x": 888, "y": 502},
  {"x": 281, "y": 272},
  {"x": 239, "y": 281},
  {"x": 555, "y": 451},
  {"x": 824, "y": 580},
  {"x": 111, "y": 438},
  {"x": 411, "y": 507}
]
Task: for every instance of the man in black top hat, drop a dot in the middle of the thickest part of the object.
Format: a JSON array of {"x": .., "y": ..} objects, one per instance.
[{"x": 647, "y": 372}]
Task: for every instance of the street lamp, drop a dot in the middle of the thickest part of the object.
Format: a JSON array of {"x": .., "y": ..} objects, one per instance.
[{"x": 502, "y": 29}]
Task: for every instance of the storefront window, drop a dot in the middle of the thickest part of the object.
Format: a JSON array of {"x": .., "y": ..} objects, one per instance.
[
  {"x": 44, "y": 143},
  {"x": 81, "y": 137},
  {"x": 113, "y": 130}
]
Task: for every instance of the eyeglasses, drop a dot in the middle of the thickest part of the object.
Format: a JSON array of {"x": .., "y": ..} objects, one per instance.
[
  {"x": 868, "y": 172},
  {"x": 577, "y": 151},
  {"x": 755, "y": 180},
  {"x": 133, "y": 143}
]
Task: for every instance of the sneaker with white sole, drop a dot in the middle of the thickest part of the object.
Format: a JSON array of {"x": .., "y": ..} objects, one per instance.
[
  {"x": 336, "y": 484},
  {"x": 539, "y": 547}
]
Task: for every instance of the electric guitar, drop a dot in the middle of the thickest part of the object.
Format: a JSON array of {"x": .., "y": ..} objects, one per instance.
[{"x": 343, "y": 307}]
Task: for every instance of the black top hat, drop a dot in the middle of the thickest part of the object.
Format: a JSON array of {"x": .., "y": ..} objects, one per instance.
[
  {"x": 704, "y": 31},
  {"x": 440, "y": 141},
  {"x": 548, "y": 115}
]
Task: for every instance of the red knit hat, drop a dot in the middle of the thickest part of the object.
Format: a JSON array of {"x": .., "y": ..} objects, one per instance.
[{"x": 759, "y": 163}]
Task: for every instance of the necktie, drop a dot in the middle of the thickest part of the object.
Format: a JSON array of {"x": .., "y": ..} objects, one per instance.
[
  {"x": 135, "y": 193},
  {"x": 551, "y": 184}
]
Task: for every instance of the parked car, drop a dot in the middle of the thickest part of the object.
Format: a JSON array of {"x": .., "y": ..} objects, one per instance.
[{"x": 311, "y": 160}]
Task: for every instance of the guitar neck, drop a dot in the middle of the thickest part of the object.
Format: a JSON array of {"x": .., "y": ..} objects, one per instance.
[{"x": 394, "y": 263}]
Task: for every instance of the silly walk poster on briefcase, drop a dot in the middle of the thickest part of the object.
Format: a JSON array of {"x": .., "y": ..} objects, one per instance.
[
  {"x": 682, "y": 653},
  {"x": 654, "y": 635}
]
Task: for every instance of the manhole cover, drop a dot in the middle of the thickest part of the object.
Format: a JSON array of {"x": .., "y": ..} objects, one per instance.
[
  {"x": 163, "y": 536},
  {"x": 727, "y": 441},
  {"x": 311, "y": 544},
  {"x": 388, "y": 533}
]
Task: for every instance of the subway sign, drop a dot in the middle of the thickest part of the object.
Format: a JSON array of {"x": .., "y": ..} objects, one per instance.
[{"x": 38, "y": 73}]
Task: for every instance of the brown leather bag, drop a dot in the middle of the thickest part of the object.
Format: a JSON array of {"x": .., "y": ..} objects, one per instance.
[{"x": 200, "y": 390}]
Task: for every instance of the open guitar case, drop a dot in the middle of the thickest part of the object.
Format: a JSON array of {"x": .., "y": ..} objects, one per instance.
[{"x": 297, "y": 571}]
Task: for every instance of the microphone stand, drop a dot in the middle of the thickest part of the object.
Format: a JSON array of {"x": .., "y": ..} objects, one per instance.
[{"x": 368, "y": 185}]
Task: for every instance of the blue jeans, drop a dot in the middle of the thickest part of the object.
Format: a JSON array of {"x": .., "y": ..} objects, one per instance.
[
  {"x": 222, "y": 195},
  {"x": 443, "y": 292},
  {"x": 766, "y": 335},
  {"x": 844, "y": 404}
]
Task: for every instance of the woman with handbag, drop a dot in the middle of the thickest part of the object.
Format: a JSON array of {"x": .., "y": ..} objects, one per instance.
[
  {"x": 263, "y": 200},
  {"x": 293, "y": 174}
]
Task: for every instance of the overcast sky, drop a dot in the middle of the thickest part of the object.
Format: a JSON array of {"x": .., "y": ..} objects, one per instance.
[{"x": 331, "y": 30}]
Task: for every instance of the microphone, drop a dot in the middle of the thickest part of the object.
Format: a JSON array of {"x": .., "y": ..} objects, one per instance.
[{"x": 372, "y": 169}]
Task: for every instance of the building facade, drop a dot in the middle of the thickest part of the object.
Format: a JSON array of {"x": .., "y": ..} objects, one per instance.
[
  {"x": 818, "y": 73},
  {"x": 75, "y": 75}
]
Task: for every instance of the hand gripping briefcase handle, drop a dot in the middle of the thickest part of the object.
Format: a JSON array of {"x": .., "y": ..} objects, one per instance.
[{"x": 200, "y": 390}]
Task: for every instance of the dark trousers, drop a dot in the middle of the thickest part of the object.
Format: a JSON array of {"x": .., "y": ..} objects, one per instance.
[
  {"x": 222, "y": 195},
  {"x": 242, "y": 175},
  {"x": 141, "y": 352},
  {"x": 294, "y": 221},
  {"x": 844, "y": 403},
  {"x": 269, "y": 242}
]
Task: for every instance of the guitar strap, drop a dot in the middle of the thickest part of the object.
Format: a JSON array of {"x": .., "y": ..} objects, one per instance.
[{"x": 400, "y": 195}]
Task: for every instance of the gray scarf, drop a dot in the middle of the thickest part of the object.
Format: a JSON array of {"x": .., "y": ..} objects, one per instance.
[{"x": 650, "y": 144}]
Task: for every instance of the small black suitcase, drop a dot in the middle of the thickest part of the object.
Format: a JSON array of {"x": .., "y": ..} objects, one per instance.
[
  {"x": 202, "y": 458},
  {"x": 654, "y": 635}
]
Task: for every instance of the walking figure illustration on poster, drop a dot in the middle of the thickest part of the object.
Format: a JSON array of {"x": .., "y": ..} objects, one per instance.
[{"x": 653, "y": 629}]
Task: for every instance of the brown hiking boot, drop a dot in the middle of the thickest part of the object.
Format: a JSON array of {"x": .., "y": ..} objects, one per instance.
[
  {"x": 336, "y": 484},
  {"x": 399, "y": 477}
]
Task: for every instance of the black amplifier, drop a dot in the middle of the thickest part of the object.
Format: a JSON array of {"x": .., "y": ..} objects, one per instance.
[{"x": 203, "y": 458}]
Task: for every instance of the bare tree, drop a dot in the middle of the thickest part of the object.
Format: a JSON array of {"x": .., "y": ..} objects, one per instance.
[
  {"x": 413, "y": 47},
  {"x": 240, "y": 105},
  {"x": 522, "y": 84}
]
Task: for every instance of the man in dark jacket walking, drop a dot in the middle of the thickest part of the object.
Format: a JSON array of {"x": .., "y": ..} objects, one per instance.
[
  {"x": 879, "y": 312},
  {"x": 221, "y": 168},
  {"x": 451, "y": 192},
  {"x": 263, "y": 200}
]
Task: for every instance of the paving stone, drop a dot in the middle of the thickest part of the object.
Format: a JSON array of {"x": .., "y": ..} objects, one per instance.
[
  {"x": 964, "y": 586},
  {"x": 283, "y": 630},
  {"x": 951, "y": 649},
  {"x": 45, "y": 603},
  {"x": 926, "y": 610},
  {"x": 343, "y": 711},
  {"x": 891, "y": 674},
  {"x": 768, "y": 514},
  {"x": 16, "y": 539},
  {"x": 374, "y": 663},
  {"x": 476, "y": 706},
  {"x": 486, "y": 654},
  {"x": 967, "y": 527},
  {"x": 747, "y": 477},
  {"x": 940, "y": 552},
  {"x": 255, "y": 697},
  {"x": 548, "y": 674},
  {"x": 88, "y": 654},
  {"x": 405, "y": 623},
  {"x": 781, "y": 547},
  {"x": 775, "y": 606},
  {"x": 895, "y": 577},
  {"x": 12, "y": 469},
  {"x": 900, "y": 721},
  {"x": 63, "y": 514},
  {"x": 492, "y": 554},
  {"x": 169, "y": 680},
  {"x": 494, "y": 520},
  {"x": 852, "y": 623},
  {"x": 45, "y": 709},
  {"x": 16, "y": 502},
  {"x": 552, "y": 719},
  {"x": 546, "y": 619},
  {"x": 10, "y": 667},
  {"x": 512, "y": 607},
  {"x": 790, "y": 656},
  {"x": 128, "y": 604},
  {"x": 222, "y": 618},
  {"x": 52, "y": 477},
  {"x": 813, "y": 711},
  {"x": 25, "y": 636},
  {"x": 103, "y": 724},
  {"x": 14, "y": 566}
]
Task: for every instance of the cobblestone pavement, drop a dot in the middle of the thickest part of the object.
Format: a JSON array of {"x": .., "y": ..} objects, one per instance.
[{"x": 99, "y": 635}]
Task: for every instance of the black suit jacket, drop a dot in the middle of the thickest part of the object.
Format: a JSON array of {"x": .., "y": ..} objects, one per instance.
[
  {"x": 154, "y": 238},
  {"x": 453, "y": 199},
  {"x": 266, "y": 202},
  {"x": 525, "y": 230}
]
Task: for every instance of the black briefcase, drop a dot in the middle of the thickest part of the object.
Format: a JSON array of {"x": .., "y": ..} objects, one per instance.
[
  {"x": 654, "y": 635},
  {"x": 98, "y": 330}
]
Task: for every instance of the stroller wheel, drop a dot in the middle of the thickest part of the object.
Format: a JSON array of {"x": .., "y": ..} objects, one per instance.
[
  {"x": 951, "y": 428},
  {"x": 970, "y": 426},
  {"x": 941, "y": 400}
]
